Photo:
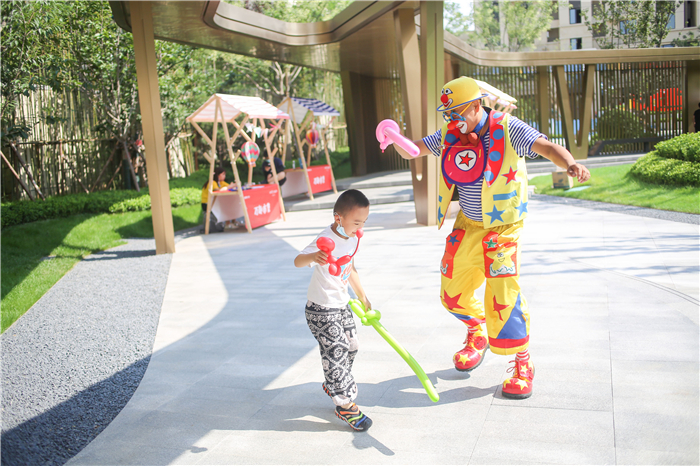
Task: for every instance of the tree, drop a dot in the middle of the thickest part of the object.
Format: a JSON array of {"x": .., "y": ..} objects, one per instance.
[
  {"x": 32, "y": 56},
  {"x": 523, "y": 23},
  {"x": 625, "y": 24},
  {"x": 456, "y": 22},
  {"x": 687, "y": 40}
]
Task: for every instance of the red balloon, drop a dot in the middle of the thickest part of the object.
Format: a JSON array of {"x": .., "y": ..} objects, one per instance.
[
  {"x": 359, "y": 233},
  {"x": 343, "y": 260},
  {"x": 325, "y": 244},
  {"x": 333, "y": 269},
  {"x": 331, "y": 259}
]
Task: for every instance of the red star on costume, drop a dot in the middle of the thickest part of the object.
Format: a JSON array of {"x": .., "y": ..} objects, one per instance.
[
  {"x": 498, "y": 308},
  {"x": 510, "y": 176},
  {"x": 452, "y": 303}
]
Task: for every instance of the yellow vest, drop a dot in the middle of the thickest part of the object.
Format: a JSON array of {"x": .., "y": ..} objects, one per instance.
[{"x": 504, "y": 188}]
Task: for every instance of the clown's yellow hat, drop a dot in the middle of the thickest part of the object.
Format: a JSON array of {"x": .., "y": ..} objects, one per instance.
[{"x": 458, "y": 92}]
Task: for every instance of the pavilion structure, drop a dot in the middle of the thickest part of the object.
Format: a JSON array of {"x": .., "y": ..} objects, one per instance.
[
  {"x": 238, "y": 111},
  {"x": 369, "y": 43},
  {"x": 305, "y": 116}
]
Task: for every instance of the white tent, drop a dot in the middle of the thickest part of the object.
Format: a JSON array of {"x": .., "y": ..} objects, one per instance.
[
  {"x": 225, "y": 109},
  {"x": 299, "y": 107},
  {"x": 305, "y": 114},
  {"x": 235, "y": 105},
  {"x": 495, "y": 98}
]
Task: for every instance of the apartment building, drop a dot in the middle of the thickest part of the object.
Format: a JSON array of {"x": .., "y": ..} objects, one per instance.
[{"x": 568, "y": 31}]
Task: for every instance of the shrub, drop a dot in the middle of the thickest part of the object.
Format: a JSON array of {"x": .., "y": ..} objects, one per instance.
[
  {"x": 684, "y": 147},
  {"x": 666, "y": 171},
  {"x": 18, "y": 212}
]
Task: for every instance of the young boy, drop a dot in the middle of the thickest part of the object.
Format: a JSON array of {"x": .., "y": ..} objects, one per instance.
[{"x": 327, "y": 311}]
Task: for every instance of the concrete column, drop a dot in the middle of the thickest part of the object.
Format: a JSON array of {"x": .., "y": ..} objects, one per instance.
[
  {"x": 543, "y": 98},
  {"x": 151, "y": 120},
  {"x": 408, "y": 53},
  {"x": 432, "y": 53},
  {"x": 692, "y": 86},
  {"x": 354, "y": 116}
]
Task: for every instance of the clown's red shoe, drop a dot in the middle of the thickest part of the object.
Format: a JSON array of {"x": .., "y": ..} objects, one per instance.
[
  {"x": 469, "y": 358},
  {"x": 519, "y": 386}
]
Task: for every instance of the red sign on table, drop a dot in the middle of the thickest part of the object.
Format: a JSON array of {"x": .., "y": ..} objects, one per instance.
[
  {"x": 263, "y": 204},
  {"x": 320, "y": 178}
]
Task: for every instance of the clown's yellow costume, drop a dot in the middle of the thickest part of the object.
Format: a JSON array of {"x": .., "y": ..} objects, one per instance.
[{"x": 486, "y": 166}]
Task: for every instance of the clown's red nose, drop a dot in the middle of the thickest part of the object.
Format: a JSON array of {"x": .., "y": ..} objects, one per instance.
[{"x": 444, "y": 99}]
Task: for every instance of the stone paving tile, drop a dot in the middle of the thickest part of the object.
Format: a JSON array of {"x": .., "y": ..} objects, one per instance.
[
  {"x": 638, "y": 456},
  {"x": 660, "y": 432},
  {"x": 603, "y": 392}
]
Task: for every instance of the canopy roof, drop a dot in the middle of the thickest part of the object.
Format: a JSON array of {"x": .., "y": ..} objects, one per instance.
[
  {"x": 234, "y": 105},
  {"x": 489, "y": 89},
  {"x": 301, "y": 106}
]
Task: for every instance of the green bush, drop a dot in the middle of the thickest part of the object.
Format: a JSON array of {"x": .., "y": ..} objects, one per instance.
[
  {"x": 18, "y": 212},
  {"x": 684, "y": 147},
  {"x": 666, "y": 171}
]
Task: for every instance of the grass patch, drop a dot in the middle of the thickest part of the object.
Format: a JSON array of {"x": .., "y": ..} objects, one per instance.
[
  {"x": 614, "y": 185},
  {"x": 26, "y": 276},
  {"x": 35, "y": 255}
]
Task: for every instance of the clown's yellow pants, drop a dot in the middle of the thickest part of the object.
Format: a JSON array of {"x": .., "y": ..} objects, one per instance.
[{"x": 474, "y": 254}]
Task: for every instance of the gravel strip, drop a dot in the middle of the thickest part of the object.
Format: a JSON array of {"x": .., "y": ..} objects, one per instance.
[
  {"x": 671, "y": 216},
  {"x": 73, "y": 361}
]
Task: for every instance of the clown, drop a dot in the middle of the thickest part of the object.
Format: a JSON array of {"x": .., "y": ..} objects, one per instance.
[{"x": 482, "y": 156}]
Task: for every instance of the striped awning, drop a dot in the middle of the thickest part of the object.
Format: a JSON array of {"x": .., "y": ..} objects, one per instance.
[
  {"x": 234, "y": 105},
  {"x": 301, "y": 106}
]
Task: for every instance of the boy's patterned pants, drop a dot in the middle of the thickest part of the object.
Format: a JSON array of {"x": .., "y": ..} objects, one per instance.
[
  {"x": 474, "y": 253},
  {"x": 334, "y": 329}
]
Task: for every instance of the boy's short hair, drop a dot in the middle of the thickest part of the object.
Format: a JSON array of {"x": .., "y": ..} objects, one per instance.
[{"x": 349, "y": 200}]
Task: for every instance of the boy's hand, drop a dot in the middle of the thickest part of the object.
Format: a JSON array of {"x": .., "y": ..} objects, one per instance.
[
  {"x": 321, "y": 258},
  {"x": 366, "y": 302},
  {"x": 578, "y": 171}
]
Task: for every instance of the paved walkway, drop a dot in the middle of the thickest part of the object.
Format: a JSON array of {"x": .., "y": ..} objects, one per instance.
[{"x": 235, "y": 375}]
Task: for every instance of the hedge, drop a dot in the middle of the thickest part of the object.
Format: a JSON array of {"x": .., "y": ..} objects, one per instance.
[
  {"x": 18, "y": 212},
  {"x": 653, "y": 168},
  {"x": 684, "y": 147}
]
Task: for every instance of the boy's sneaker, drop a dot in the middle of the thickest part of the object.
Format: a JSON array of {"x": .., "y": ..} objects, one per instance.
[
  {"x": 519, "y": 386},
  {"x": 354, "y": 417},
  {"x": 469, "y": 358}
]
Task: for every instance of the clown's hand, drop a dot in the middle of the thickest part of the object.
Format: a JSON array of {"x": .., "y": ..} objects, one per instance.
[
  {"x": 579, "y": 172},
  {"x": 388, "y": 132}
]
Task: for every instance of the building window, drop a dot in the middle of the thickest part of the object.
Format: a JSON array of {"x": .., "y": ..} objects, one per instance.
[
  {"x": 552, "y": 35},
  {"x": 576, "y": 43},
  {"x": 555, "y": 12},
  {"x": 689, "y": 15},
  {"x": 626, "y": 25},
  {"x": 671, "y": 22},
  {"x": 575, "y": 12}
]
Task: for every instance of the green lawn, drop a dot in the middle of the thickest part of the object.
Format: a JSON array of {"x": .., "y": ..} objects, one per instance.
[
  {"x": 27, "y": 273},
  {"x": 614, "y": 185},
  {"x": 26, "y": 276}
]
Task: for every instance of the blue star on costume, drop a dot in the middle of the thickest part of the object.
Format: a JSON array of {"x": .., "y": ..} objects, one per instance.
[
  {"x": 453, "y": 239},
  {"x": 522, "y": 208},
  {"x": 495, "y": 214}
]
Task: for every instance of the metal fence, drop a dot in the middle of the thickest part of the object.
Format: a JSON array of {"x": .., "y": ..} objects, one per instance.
[
  {"x": 67, "y": 152},
  {"x": 631, "y": 100}
]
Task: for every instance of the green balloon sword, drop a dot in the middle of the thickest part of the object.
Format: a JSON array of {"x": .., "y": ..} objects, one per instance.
[{"x": 372, "y": 317}]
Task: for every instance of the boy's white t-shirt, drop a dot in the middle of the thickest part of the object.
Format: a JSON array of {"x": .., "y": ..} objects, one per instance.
[{"x": 326, "y": 289}]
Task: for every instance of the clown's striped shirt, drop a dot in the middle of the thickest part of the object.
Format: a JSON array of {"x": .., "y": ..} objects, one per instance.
[{"x": 522, "y": 136}]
